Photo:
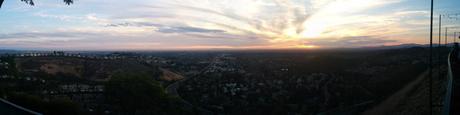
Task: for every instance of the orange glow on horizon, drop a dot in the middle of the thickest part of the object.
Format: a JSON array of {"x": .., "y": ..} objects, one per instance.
[{"x": 307, "y": 46}]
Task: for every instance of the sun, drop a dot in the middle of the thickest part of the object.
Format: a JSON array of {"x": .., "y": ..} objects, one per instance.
[
  {"x": 333, "y": 16},
  {"x": 314, "y": 28},
  {"x": 307, "y": 46}
]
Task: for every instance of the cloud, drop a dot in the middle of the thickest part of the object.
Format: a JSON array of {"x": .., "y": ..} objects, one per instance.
[
  {"x": 96, "y": 19},
  {"x": 354, "y": 41},
  {"x": 113, "y": 39},
  {"x": 166, "y": 29},
  {"x": 188, "y": 30},
  {"x": 91, "y": 17},
  {"x": 34, "y": 35},
  {"x": 134, "y": 24},
  {"x": 60, "y": 35},
  {"x": 229, "y": 23},
  {"x": 60, "y": 17}
]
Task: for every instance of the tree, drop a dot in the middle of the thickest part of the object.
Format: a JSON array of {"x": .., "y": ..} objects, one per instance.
[
  {"x": 55, "y": 106},
  {"x": 31, "y": 2},
  {"x": 139, "y": 94},
  {"x": 1, "y": 2}
]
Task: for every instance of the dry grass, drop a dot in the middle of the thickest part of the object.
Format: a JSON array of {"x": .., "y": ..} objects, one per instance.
[{"x": 170, "y": 76}]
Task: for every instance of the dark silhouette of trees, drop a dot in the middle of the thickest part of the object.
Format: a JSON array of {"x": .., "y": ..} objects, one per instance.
[
  {"x": 139, "y": 94},
  {"x": 31, "y": 2},
  {"x": 1, "y": 2},
  {"x": 57, "y": 106}
]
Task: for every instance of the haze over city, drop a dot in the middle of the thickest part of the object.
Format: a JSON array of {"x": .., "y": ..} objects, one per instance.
[{"x": 214, "y": 24}]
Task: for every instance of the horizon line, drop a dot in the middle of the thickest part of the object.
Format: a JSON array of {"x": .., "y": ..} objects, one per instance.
[{"x": 214, "y": 49}]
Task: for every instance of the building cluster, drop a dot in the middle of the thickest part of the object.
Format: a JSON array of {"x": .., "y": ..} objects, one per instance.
[
  {"x": 43, "y": 54},
  {"x": 5, "y": 68},
  {"x": 4, "y": 64},
  {"x": 263, "y": 85},
  {"x": 80, "y": 88},
  {"x": 226, "y": 87},
  {"x": 65, "y": 54},
  {"x": 88, "y": 96}
]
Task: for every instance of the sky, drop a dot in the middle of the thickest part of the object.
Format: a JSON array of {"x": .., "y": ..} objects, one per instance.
[{"x": 218, "y": 24}]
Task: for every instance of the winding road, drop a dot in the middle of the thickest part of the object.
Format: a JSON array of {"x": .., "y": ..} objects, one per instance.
[{"x": 172, "y": 88}]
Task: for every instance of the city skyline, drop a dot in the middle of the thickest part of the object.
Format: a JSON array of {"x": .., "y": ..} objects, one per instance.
[{"x": 224, "y": 24}]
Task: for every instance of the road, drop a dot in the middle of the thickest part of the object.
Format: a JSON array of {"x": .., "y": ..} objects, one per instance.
[
  {"x": 392, "y": 102},
  {"x": 172, "y": 88}
]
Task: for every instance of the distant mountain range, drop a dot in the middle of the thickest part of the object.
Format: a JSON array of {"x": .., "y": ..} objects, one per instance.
[
  {"x": 398, "y": 46},
  {"x": 407, "y": 46}
]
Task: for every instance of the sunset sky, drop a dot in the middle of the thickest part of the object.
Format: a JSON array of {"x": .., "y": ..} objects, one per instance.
[{"x": 217, "y": 24}]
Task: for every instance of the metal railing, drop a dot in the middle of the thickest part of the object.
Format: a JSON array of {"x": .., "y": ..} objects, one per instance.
[
  {"x": 19, "y": 107},
  {"x": 448, "y": 97}
]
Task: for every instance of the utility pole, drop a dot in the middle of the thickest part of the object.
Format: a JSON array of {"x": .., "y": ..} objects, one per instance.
[
  {"x": 439, "y": 47},
  {"x": 455, "y": 35},
  {"x": 446, "y": 37},
  {"x": 431, "y": 60}
]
